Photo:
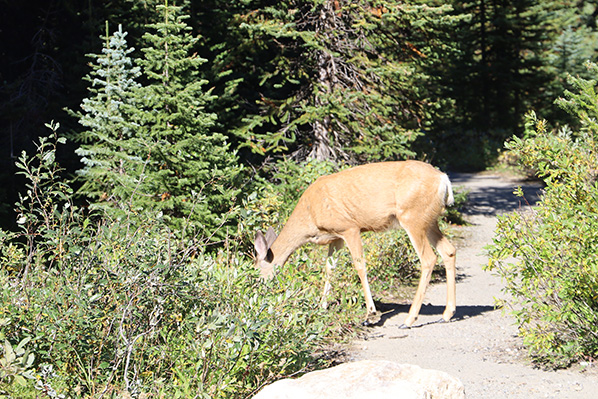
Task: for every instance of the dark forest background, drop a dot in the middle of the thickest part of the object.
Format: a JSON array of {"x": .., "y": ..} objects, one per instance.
[
  {"x": 444, "y": 81},
  {"x": 350, "y": 82}
]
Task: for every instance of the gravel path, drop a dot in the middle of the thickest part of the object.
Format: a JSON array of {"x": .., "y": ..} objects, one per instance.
[{"x": 480, "y": 346}]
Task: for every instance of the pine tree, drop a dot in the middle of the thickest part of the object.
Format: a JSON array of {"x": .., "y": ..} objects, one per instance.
[
  {"x": 190, "y": 167},
  {"x": 573, "y": 43},
  {"x": 109, "y": 151},
  {"x": 324, "y": 79}
]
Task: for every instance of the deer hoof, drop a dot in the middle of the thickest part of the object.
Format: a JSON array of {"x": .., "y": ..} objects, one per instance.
[
  {"x": 447, "y": 315},
  {"x": 404, "y": 327},
  {"x": 372, "y": 319}
]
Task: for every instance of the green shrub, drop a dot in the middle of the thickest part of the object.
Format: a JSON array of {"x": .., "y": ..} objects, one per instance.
[
  {"x": 553, "y": 280},
  {"x": 124, "y": 306},
  {"x": 391, "y": 260},
  {"x": 15, "y": 365}
]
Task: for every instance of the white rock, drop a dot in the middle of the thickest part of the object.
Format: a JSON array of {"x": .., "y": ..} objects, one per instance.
[{"x": 368, "y": 379}]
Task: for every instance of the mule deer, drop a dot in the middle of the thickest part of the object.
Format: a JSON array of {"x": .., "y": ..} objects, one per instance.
[{"x": 336, "y": 208}]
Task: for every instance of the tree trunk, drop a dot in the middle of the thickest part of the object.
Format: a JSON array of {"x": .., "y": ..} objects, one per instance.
[{"x": 323, "y": 139}]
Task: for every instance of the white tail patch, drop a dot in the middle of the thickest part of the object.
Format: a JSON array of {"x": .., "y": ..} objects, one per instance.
[{"x": 445, "y": 191}]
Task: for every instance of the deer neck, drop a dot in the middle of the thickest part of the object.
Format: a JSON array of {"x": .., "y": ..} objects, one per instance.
[{"x": 287, "y": 242}]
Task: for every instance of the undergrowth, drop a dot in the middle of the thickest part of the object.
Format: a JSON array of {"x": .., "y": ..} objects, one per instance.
[
  {"x": 100, "y": 306},
  {"x": 553, "y": 279},
  {"x": 110, "y": 307}
]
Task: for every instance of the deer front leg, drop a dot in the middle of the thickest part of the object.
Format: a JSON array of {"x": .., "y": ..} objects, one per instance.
[
  {"x": 330, "y": 265},
  {"x": 353, "y": 241}
]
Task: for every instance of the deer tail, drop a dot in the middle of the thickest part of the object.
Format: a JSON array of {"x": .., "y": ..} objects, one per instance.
[{"x": 445, "y": 191}]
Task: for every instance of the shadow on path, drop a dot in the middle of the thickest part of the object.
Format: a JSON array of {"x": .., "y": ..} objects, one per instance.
[
  {"x": 390, "y": 310},
  {"x": 490, "y": 195}
]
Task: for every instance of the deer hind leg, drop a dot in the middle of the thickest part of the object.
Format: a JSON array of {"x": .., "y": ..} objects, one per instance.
[
  {"x": 449, "y": 254},
  {"x": 423, "y": 240},
  {"x": 427, "y": 258},
  {"x": 330, "y": 265},
  {"x": 353, "y": 240}
]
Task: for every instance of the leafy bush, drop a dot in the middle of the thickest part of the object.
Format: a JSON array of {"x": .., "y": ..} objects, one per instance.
[
  {"x": 15, "y": 365},
  {"x": 391, "y": 260},
  {"x": 124, "y": 306},
  {"x": 554, "y": 277},
  {"x": 117, "y": 306}
]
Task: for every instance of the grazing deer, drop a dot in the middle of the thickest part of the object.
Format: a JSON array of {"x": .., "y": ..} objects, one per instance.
[{"x": 336, "y": 208}]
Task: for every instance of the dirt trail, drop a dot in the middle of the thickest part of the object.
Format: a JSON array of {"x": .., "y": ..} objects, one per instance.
[{"x": 480, "y": 346}]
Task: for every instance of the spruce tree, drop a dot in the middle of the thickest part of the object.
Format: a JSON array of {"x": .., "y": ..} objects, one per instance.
[
  {"x": 108, "y": 148},
  {"x": 573, "y": 43},
  {"x": 190, "y": 168},
  {"x": 321, "y": 78}
]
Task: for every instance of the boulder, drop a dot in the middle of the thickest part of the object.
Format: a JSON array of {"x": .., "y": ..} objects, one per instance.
[{"x": 368, "y": 379}]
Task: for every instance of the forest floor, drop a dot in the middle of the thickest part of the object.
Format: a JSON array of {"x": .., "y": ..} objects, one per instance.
[{"x": 480, "y": 345}]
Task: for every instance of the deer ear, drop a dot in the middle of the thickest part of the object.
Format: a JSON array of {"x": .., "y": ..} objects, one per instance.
[
  {"x": 271, "y": 236},
  {"x": 261, "y": 245}
]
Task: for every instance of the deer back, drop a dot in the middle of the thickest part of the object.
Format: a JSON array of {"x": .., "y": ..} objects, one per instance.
[{"x": 373, "y": 197}]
